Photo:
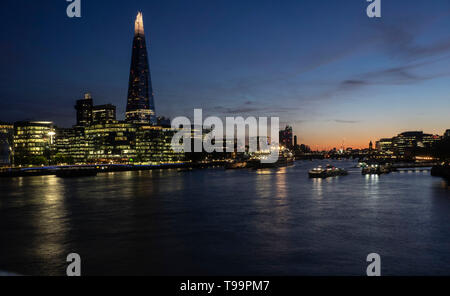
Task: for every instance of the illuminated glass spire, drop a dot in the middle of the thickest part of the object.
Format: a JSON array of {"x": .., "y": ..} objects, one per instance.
[
  {"x": 140, "y": 104},
  {"x": 139, "y": 25}
]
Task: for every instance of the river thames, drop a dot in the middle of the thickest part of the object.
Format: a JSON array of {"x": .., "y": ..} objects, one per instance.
[{"x": 226, "y": 222}]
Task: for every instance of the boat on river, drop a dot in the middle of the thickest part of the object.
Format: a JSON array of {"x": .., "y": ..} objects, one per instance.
[
  {"x": 376, "y": 169},
  {"x": 284, "y": 159},
  {"x": 327, "y": 172}
]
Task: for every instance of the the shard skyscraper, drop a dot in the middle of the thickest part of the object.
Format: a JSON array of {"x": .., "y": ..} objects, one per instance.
[{"x": 140, "y": 104}]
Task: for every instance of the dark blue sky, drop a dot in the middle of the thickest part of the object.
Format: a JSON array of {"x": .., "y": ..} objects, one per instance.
[{"x": 322, "y": 66}]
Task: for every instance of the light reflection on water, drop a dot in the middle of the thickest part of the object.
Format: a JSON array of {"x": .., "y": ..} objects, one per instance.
[
  {"x": 240, "y": 222},
  {"x": 263, "y": 187},
  {"x": 281, "y": 184},
  {"x": 317, "y": 186},
  {"x": 372, "y": 185},
  {"x": 445, "y": 185}
]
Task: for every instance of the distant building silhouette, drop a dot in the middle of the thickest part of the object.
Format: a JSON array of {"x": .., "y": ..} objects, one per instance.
[
  {"x": 286, "y": 137},
  {"x": 103, "y": 113},
  {"x": 88, "y": 114},
  {"x": 84, "y": 110}
]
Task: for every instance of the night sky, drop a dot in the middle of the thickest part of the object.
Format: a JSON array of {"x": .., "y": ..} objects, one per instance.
[{"x": 322, "y": 66}]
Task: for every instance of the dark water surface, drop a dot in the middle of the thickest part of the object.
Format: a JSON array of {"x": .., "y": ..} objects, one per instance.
[{"x": 217, "y": 222}]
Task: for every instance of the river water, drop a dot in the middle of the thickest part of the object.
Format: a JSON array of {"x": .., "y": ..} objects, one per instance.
[{"x": 226, "y": 222}]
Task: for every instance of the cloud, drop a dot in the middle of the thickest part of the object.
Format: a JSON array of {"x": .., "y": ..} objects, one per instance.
[
  {"x": 400, "y": 75},
  {"x": 400, "y": 38},
  {"x": 245, "y": 109},
  {"x": 352, "y": 84}
]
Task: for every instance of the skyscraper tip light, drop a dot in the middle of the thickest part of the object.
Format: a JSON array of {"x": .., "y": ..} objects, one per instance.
[{"x": 139, "y": 25}]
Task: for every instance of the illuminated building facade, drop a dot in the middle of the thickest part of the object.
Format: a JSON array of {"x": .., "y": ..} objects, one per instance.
[
  {"x": 116, "y": 142},
  {"x": 33, "y": 142},
  {"x": 63, "y": 140},
  {"x": 111, "y": 142},
  {"x": 71, "y": 145},
  {"x": 153, "y": 145},
  {"x": 385, "y": 146},
  {"x": 405, "y": 142},
  {"x": 408, "y": 144},
  {"x": 140, "y": 102},
  {"x": 6, "y": 143}
]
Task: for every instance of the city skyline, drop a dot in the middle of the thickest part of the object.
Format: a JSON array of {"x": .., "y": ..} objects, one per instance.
[{"x": 397, "y": 80}]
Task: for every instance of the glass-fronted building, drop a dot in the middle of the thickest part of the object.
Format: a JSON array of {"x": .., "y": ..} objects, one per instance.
[
  {"x": 71, "y": 145},
  {"x": 116, "y": 142},
  {"x": 111, "y": 142},
  {"x": 33, "y": 142},
  {"x": 153, "y": 145},
  {"x": 408, "y": 143}
]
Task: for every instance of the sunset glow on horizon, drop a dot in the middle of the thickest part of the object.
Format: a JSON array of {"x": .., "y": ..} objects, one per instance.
[{"x": 336, "y": 76}]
